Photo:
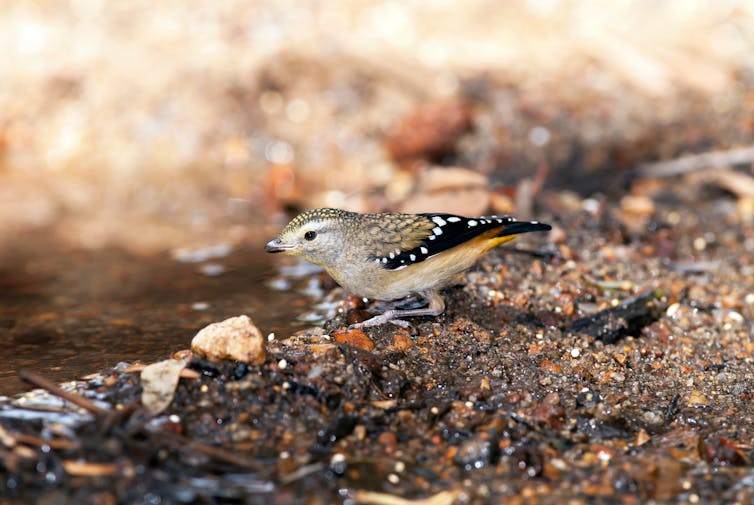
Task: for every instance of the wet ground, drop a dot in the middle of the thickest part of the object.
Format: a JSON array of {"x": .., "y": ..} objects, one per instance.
[
  {"x": 68, "y": 313},
  {"x": 599, "y": 363}
]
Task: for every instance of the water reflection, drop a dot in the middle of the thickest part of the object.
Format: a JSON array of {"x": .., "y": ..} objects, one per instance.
[{"x": 67, "y": 313}]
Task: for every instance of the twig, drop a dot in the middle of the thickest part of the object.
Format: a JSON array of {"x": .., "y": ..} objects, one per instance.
[
  {"x": 300, "y": 473},
  {"x": 49, "y": 386},
  {"x": 696, "y": 162},
  {"x": 374, "y": 498},
  {"x": 118, "y": 416},
  {"x": 695, "y": 267},
  {"x": 54, "y": 443},
  {"x": 528, "y": 188},
  {"x": 91, "y": 468},
  {"x": 214, "y": 452},
  {"x": 544, "y": 254}
]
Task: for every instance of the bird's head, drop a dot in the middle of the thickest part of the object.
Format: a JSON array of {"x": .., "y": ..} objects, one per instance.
[{"x": 317, "y": 236}]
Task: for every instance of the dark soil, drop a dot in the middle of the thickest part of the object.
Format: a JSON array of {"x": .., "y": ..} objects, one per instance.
[{"x": 604, "y": 365}]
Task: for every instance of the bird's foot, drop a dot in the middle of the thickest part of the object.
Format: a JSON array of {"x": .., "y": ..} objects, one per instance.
[
  {"x": 379, "y": 320},
  {"x": 385, "y": 317},
  {"x": 435, "y": 308}
]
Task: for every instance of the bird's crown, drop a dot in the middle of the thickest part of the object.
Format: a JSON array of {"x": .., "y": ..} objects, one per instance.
[{"x": 315, "y": 215}]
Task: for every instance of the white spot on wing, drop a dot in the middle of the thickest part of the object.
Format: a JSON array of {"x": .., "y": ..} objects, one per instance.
[
  {"x": 384, "y": 260},
  {"x": 437, "y": 230},
  {"x": 453, "y": 219},
  {"x": 439, "y": 221},
  {"x": 412, "y": 257},
  {"x": 472, "y": 223},
  {"x": 424, "y": 250},
  {"x": 392, "y": 256},
  {"x": 431, "y": 237}
]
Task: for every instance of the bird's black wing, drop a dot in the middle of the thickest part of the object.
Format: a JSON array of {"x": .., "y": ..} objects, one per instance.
[{"x": 451, "y": 230}]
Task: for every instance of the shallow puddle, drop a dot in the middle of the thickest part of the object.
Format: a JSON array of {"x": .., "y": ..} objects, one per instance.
[{"x": 67, "y": 313}]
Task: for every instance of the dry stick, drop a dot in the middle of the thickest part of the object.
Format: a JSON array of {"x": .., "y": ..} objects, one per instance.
[
  {"x": 214, "y": 452},
  {"x": 696, "y": 162},
  {"x": 528, "y": 188},
  {"x": 49, "y": 386},
  {"x": 55, "y": 443}
]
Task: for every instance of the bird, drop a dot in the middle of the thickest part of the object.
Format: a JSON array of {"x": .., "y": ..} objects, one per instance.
[{"x": 391, "y": 256}]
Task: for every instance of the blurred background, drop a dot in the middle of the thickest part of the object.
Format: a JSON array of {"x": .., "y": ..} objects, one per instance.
[
  {"x": 147, "y": 125},
  {"x": 139, "y": 140}
]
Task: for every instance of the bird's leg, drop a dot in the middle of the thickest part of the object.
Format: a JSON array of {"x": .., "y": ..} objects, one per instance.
[
  {"x": 410, "y": 302},
  {"x": 435, "y": 308}
]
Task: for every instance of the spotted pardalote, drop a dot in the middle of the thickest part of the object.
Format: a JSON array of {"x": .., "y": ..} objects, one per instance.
[{"x": 390, "y": 256}]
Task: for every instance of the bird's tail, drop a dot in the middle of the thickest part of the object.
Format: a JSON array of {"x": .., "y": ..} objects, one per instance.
[
  {"x": 519, "y": 227},
  {"x": 514, "y": 229}
]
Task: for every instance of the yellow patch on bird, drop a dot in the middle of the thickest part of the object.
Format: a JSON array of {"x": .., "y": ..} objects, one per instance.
[
  {"x": 494, "y": 242},
  {"x": 437, "y": 271}
]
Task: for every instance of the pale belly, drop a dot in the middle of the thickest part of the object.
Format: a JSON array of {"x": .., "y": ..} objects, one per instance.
[{"x": 374, "y": 282}]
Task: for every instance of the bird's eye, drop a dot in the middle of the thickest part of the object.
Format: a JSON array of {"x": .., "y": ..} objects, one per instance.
[{"x": 310, "y": 235}]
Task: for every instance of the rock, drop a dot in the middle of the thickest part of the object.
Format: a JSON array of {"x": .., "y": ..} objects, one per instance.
[
  {"x": 401, "y": 342},
  {"x": 456, "y": 190},
  {"x": 388, "y": 441},
  {"x": 636, "y": 211},
  {"x": 718, "y": 450},
  {"x": 430, "y": 131},
  {"x": 233, "y": 339},
  {"x": 462, "y": 201},
  {"x": 502, "y": 203},
  {"x": 550, "y": 366},
  {"x": 477, "y": 453},
  {"x": 280, "y": 187},
  {"x": 356, "y": 338},
  {"x": 449, "y": 178},
  {"x": 697, "y": 399}
]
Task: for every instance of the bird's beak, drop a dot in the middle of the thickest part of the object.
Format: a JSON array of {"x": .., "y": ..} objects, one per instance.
[{"x": 276, "y": 245}]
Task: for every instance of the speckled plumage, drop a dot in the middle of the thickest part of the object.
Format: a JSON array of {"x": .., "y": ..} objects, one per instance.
[{"x": 390, "y": 256}]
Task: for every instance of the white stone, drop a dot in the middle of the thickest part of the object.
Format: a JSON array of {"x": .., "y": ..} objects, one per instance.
[{"x": 236, "y": 338}]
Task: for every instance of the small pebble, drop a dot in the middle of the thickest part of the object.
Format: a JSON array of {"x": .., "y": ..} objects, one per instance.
[
  {"x": 697, "y": 399},
  {"x": 591, "y": 205},
  {"x": 236, "y": 338},
  {"x": 212, "y": 269}
]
